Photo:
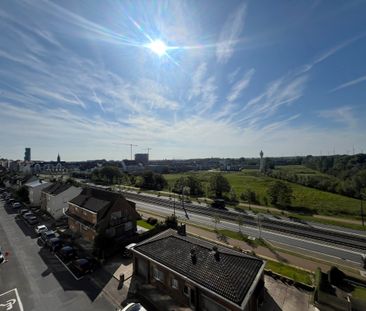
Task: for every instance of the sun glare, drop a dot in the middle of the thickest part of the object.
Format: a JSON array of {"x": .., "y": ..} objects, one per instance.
[{"x": 158, "y": 47}]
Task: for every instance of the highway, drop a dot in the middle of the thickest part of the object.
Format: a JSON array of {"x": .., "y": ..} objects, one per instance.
[{"x": 337, "y": 243}]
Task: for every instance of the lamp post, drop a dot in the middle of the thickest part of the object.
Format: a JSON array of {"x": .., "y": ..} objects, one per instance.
[
  {"x": 259, "y": 225},
  {"x": 362, "y": 213}
]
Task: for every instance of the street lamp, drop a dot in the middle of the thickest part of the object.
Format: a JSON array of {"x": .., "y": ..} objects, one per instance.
[
  {"x": 362, "y": 197},
  {"x": 259, "y": 225}
]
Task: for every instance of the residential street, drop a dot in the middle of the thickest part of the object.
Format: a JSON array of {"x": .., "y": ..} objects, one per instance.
[{"x": 35, "y": 276}]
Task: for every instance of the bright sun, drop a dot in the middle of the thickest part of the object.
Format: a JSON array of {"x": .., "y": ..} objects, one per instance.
[{"x": 158, "y": 47}]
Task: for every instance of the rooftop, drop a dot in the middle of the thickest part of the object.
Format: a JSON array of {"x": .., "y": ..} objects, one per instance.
[
  {"x": 226, "y": 272},
  {"x": 57, "y": 188}
]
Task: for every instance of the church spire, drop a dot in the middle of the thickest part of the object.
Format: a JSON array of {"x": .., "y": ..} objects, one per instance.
[{"x": 58, "y": 158}]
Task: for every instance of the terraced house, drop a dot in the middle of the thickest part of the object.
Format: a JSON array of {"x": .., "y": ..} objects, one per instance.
[
  {"x": 54, "y": 198},
  {"x": 96, "y": 211},
  {"x": 176, "y": 271}
]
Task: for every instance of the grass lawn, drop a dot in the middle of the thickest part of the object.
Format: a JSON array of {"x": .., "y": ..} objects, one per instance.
[
  {"x": 304, "y": 198},
  {"x": 295, "y": 274},
  {"x": 144, "y": 224},
  {"x": 359, "y": 293}
]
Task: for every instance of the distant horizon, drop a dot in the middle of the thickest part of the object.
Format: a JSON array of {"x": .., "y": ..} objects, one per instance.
[{"x": 193, "y": 158}]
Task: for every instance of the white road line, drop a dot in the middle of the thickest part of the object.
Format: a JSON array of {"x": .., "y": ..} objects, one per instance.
[
  {"x": 17, "y": 295},
  {"x": 76, "y": 278},
  {"x": 19, "y": 301},
  {"x": 326, "y": 255}
]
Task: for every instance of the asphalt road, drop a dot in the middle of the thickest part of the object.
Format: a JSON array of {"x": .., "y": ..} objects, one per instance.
[
  {"x": 34, "y": 279},
  {"x": 348, "y": 255}
]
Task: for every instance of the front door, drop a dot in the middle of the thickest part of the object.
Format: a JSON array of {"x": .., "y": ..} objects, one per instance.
[{"x": 192, "y": 297}]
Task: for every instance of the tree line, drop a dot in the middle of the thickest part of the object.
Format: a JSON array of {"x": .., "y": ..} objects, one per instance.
[{"x": 345, "y": 175}]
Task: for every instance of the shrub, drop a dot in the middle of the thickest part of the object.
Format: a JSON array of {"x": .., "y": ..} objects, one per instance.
[{"x": 152, "y": 221}]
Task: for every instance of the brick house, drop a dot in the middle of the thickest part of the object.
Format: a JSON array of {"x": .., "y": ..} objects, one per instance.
[
  {"x": 196, "y": 275},
  {"x": 96, "y": 211}
]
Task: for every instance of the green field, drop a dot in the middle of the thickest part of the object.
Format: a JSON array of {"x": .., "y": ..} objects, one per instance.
[{"x": 304, "y": 198}]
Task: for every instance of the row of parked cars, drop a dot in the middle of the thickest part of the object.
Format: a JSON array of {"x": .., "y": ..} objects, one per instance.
[
  {"x": 50, "y": 239},
  {"x": 65, "y": 252}
]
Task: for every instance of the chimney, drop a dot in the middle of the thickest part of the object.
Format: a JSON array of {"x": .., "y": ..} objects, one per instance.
[
  {"x": 216, "y": 253},
  {"x": 193, "y": 256},
  {"x": 181, "y": 229}
]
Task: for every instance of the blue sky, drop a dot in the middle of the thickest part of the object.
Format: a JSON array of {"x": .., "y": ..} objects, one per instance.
[{"x": 78, "y": 78}]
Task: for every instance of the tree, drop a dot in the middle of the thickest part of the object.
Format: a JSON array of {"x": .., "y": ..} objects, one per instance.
[
  {"x": 152, "y": 181},
  {"x": 249, "y": 196},
  {"x": 171, "y": 221},
  {"x": 218, "y": 184},
  {"x": 192, "y": 182},
  {"x": 232, "y": 196},
  {"x": 280, "y": 194},
  {"x": 23, "y": 194}
]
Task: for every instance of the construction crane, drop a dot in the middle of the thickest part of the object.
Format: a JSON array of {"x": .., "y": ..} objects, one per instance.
[
  {"x": 131, "y": 145},
  {"x": 148, "y": 149}
]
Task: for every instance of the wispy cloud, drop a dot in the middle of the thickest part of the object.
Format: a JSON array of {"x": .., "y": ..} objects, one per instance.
[
  {"x": 328, "y": 53},
  {"x": 350, "y": 83},
  {"x": 283, "y": 91},
  {"x": 343, "y": 115},
  {"x": 240, "y": 85},
  {"x": 203, "y": 89},
  {"x": 230, "y": 34}
]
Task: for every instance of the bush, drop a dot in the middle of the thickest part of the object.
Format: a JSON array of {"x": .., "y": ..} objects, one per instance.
[
  {"x": 152, "y": 221},
  {"x": 335, "y": 276}
]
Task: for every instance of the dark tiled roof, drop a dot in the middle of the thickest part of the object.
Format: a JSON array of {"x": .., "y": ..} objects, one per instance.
[
  {"x": 230, "y": 276},
  {"x": 95, "y": 200},
  {"x": 56, "y": 188}
]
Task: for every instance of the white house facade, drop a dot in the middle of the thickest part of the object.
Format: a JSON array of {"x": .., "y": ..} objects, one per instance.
[
  {"x": 55, "y": 197},
  {"x": 35, "y": 189}
]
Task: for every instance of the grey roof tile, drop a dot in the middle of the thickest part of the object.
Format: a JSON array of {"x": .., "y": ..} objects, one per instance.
[{"x": 230, "y": 275}]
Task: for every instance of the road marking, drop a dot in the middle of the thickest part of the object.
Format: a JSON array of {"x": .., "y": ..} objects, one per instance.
[
  {"x": 11, "y": 302},
  {"x": 305, "y": 240},
  {"x": 76, "y": 278}
]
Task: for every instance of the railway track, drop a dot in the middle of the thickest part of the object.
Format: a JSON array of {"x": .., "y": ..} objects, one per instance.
[{"x": 295, "y": 229}]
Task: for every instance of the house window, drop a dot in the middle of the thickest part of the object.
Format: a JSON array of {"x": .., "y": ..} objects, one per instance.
[
  {"x": 158, "y": 275},
  {"x": 128, "y": 226},
  {"x": 175, "y": 283},
  {"x": 186, "y": 290}
]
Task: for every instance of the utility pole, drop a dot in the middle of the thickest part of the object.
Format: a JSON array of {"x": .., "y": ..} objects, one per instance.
[
  {"x": 148, "y": 149},
  {"x": 363, "y": 224},
  {"x": 131, "y": 145}
]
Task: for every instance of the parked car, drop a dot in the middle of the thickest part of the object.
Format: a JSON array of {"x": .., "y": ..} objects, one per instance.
[
  {"x": 66, "y": 253},
  {"x": 17, "y": 205},
  {"x": 23, "y": 211},
  {"x": 2, "y": 256},
  {"x": 32, "y": 220},
  {"x": 47, "y": 235},
  {"x": 133, "y": 306},
  {"x": 41, "y": 228},
  {"x": 54, "y": 244},
  {"x": 84, "y": 265},
  {"x": 28, "y": 214}
]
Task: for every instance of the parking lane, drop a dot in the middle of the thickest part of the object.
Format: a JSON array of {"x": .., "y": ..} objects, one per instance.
[{"x": 10, "y": 300}]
